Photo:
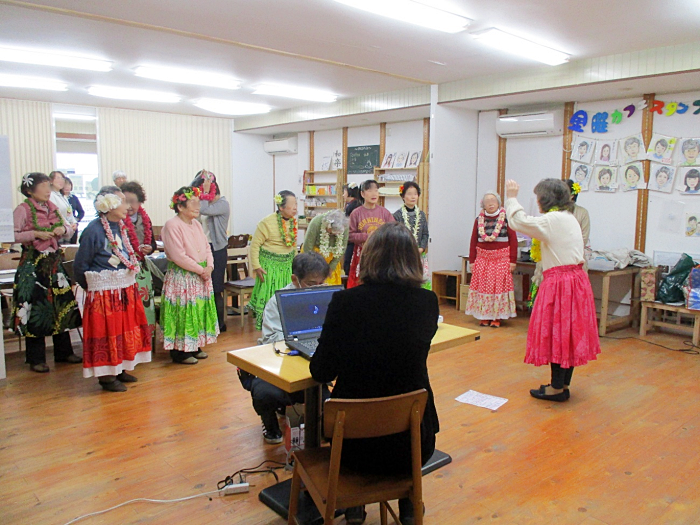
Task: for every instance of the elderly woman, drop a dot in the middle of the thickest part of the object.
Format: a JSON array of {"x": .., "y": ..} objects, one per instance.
[
  {"x": 58, "y": 181},
  {"x": 493, "y": 254},
  {"x": 214, "y": 215},
  {"x": 272, "y": 251},
  {"x": 388, "y": 311},
  {"x": 119, "y": 178},
  {"x": 327, "y": 234},
  {"x": 188, "y": 312},
  {"x": 117, "y": 336},
  {"x": 140, "y": 229},
  {"x": 43, "y": 300}
]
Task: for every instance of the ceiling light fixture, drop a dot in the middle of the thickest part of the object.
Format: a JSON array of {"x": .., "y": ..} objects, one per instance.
[
  {"x": 519, "y": 46},
  {"x": 43, "y": 58},
  {"x": 73, "y": 116},
  {"x": 413, "y": 13},
  {"x": 277, "y": 90},
  {"x": 133, "y": 94},
  {"x": 188, "y": 76},
  {"x": 231, "y": 107},
  {"x": 32, "y": 82}
]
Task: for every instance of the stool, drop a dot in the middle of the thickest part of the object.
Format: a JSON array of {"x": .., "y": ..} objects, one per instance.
[
  {"x": 645, "y": 323},
  {"x": 440, "y": 285}
]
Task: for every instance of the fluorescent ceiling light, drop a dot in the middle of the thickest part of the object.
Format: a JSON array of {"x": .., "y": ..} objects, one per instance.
[
  {"x": 413, "y": 13},
  {"x": 133, "y": 94},
  {"x": 73, "y": 116},
  {"x": 32, "y": 82},
  {"x": 231, "y": 107},
  {"x": 188, "y": 76},
  {"x": 42, "y": 58},
  {"x": 519, "y": 46},
  {"x": 300, "y": 93}
]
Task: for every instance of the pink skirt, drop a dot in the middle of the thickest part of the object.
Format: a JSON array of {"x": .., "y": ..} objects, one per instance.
[
  {"x": 563, "y": 327},
  {"x": 491, "y": 293}
]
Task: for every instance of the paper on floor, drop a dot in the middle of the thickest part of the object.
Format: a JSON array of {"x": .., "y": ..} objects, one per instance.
[{"x": 475, "y": 398}]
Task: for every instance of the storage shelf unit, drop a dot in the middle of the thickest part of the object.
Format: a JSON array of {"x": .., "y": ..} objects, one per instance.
[{"x": 325, "y": 180}]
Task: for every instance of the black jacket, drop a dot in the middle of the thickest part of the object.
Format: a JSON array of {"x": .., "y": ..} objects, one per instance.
[{"x": 375, "y": 343}]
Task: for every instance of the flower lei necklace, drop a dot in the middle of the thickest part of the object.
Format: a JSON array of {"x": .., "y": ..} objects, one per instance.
[
  {"x": 496, "y": 231},
  {"x": 35, "y": 222},
  {"x": 325, "y": 247},
  {"x": 535, "y": 249},
  {"x": 289, "y": 239},
  {"x": 406, "y": 221},
  {"x": 147, "y": 231},
  {"x": 132, "y": 262}
]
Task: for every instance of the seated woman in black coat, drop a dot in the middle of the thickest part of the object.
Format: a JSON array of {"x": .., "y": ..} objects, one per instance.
[{"x": 375, "y": 343}]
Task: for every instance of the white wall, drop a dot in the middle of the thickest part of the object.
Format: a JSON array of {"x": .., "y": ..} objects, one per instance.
[
  {"x": 453, "y": 136},
  {"x": 325, "y": 143},
  {"x": 487, "y": 156},
  {"x": 253, "y": 194},
  {"x": 660, "y": 235}
]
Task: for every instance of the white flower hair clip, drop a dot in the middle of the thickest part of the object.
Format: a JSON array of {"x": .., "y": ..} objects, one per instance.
[
  {"x": 27, "y": 180},
  {"x": 104, "y": 203}
]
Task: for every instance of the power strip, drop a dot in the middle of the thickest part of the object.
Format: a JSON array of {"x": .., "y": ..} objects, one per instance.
[{"x": 236, "y": 488}]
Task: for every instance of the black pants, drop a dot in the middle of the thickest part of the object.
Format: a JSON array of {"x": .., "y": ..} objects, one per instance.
[
  {"x": 180, "y": 355},
  {"x": 217, "y": 280},
  {"x": 36, "y": 348},
  {"x": 561, "y": 376},
  {"x": 267, "y": 398}
]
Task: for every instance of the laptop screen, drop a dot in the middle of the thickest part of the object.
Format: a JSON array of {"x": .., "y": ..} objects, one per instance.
[{"x": 304, "y": 310}]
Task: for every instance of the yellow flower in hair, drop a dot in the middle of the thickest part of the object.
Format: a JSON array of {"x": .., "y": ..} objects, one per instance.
[
  {"x": 279, "y": 199},
  {"x": 576, "y": 188}
]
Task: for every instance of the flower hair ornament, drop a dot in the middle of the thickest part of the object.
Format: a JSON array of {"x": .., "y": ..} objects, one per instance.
[
  {"x": 186, "y": 195},
  {"x": 401, "y": 188},
  {"x": 575, "y": 188},
  {"x": 279, "y": 199},
  {"x": 104, "y": 203},
  {"x": 27, "y": 180}
]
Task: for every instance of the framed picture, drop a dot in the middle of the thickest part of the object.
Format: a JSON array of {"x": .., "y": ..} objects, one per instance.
[
  {"x": 689, "y": 180},
  {"x": 401, "y": 159},
  {"x": 581, "y": 174},
  {"x": 605, "y": 152},
  {"x": 605, "y": 179},
  {"x": 632, "y": 177},
  {"x": 388, "y": 161},
  {"x": 661, "y": 148},
  {"x": 661, "y": 177},
  {"x": 689, "y": 151},
  {"x": 414, "y": 159},
  {"x": 631, "y": 149},
  {"x": 582, "y": 149}
]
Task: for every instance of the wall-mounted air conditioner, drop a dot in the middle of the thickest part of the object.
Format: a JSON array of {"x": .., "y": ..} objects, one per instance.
[
  {"x": 536, "y": 124},
  {"x": 281, "y": 146}
]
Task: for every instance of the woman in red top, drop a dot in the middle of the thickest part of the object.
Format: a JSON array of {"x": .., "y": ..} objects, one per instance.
[{"x": 493, "y": 253}]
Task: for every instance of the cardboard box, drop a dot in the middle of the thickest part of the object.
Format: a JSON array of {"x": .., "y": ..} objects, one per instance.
[
  {"x": 463, "y": 295},
  {"x": 294, "y": 428}
]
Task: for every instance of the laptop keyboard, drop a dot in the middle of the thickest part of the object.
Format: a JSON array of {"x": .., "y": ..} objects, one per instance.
[{"x": 309, "y": 344}]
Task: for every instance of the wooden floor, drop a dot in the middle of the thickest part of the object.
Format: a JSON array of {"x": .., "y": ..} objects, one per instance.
[{"x": 625, "y": 449}]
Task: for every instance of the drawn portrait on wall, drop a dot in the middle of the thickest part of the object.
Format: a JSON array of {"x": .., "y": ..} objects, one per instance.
[
  {"x": 631, "y": 149},
  {"x": 414, "y": 159},
  {"x": 388, "y": 160},
  {"x": 632, "y": 177},
  {"x": 691, "y": 224},
  {"x": 689, "y": 180},
  {"x": 582, "y": 149},
  {"x": 690, "y": 149},
  {"x": 605, "y": 179},
  {"x": 581, "y": 173},
  {"x": 661, "y": 177},
  {"x": 401, "y": 159},
  {"x": 606, "y": 152},
  {"x": 661, "y": 148}
]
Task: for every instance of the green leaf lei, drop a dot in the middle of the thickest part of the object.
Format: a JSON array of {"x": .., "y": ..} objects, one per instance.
[{"x": 36, "y": 223}]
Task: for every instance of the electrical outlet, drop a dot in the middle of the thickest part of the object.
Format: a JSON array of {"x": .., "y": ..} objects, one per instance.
[{"x": 235, "y": 488}]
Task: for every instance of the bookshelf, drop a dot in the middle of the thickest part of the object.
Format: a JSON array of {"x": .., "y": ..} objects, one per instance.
[{"x": 323, "y": 191}]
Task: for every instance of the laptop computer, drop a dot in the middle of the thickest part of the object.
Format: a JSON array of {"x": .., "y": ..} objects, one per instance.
[{"x": 302, "y": 312}]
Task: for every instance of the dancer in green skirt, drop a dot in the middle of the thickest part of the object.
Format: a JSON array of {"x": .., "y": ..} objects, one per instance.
[{"x": 272, "y": 251}]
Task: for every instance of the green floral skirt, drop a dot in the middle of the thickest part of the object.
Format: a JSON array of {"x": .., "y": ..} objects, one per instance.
[{"x": 279, "y": 274}]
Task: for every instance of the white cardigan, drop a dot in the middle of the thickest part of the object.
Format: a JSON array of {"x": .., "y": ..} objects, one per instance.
[{"x": 559, "y": 233}]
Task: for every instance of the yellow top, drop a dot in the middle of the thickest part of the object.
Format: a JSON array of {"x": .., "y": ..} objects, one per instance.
[
  {"x": 268, "y": 236},
  {"x": 291, "y": 373}
]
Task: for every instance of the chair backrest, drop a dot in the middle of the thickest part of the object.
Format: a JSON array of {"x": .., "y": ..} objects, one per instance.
[
  {"x": 68, "y": 267},
  {"x": 376, "y": 417},
  {"x": 9, "y": 261},
  {"x": 240, "y": 256},
  {"x": 238, "y": 241}
]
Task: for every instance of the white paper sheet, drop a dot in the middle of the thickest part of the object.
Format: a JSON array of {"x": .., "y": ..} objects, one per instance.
[{"x": 472, "y": 397}]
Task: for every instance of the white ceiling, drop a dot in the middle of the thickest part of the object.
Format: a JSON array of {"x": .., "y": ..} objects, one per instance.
[{"x": 346, "y": 51}]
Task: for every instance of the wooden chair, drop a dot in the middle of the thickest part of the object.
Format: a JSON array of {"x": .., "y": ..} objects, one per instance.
[
  {"x": 238, "y": 241},
  {"x": 331, "y": 486},
  {"x": 237, "y": 263},
  {"x": 241, "y": 288}
]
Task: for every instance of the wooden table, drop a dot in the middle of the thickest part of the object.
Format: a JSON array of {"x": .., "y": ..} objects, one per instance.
[
  {"x": 291, "y": 374},
  {"x": 646, "y": 323}
]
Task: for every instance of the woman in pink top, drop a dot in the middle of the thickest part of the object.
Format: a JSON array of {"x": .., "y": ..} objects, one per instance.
[
  {"x": 188, "y": 311},
  {"x": 364, "y": 220},
  {"x": 44, "y": 303}
]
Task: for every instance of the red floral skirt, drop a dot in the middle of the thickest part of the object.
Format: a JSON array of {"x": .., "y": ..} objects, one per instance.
[
  {"x": 563, "y": 327},
  {"x": 491, "y": 293},
  {"x": 354, "y": 277},
  {"x": 117, "y": 336}
]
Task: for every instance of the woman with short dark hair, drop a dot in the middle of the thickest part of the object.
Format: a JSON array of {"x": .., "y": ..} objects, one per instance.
[{"x": 375, "y": 343}]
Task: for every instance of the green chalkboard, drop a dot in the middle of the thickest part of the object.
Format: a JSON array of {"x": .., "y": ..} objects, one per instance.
[{"x": 363, "y": 159}]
